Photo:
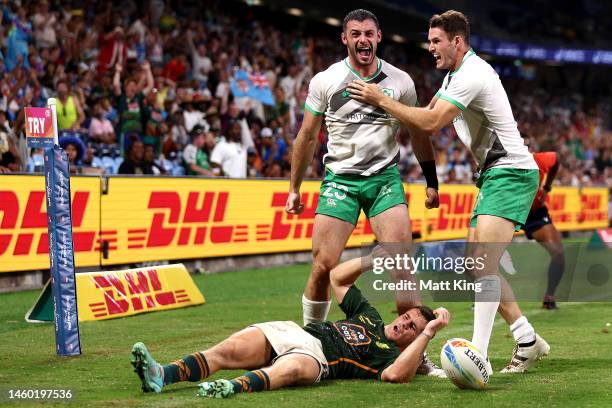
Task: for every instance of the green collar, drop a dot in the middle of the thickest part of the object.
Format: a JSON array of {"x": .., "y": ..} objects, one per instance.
[
  {"x": 465, "y": 57},
  {"x": 359, "y": 76}
]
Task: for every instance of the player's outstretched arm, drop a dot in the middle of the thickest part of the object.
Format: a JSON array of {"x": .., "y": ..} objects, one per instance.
[
  {"x": 404, "y": 368},
  {"x": 426, "y": 119},
  {"x": 303, "y": 151}
]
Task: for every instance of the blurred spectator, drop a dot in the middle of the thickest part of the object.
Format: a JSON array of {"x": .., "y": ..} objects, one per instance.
[
  {"x": 70, "y": 114},
  {"x": 253, "y": 169},
  {"x": 150, "y": 162},
  {"x": 156, "y": 126},
  {"x": 134, "y": 160},
  {"x": 196, "y": 159},
  {"x": 44, "y": 26},
  {"x": 101, "y": 129},
  {"x": 201, "y": 64},
  {"x": 10, "y": 160},
  {"x": 131, "y": 107},
  {"x": 75, "y": 151},
  {"x": 229, "y": 155}
]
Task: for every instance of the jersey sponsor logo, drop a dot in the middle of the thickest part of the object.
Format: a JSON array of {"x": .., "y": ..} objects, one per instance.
[
  {"x": 362, "y": 116},
  {"x": 388, "y": 92},
  {"x": 331, "y": 202},
  {"x": 353, "y": 334}
]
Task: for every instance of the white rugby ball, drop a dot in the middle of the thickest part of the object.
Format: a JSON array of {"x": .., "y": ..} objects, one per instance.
[{"x": 465, "y": 365}]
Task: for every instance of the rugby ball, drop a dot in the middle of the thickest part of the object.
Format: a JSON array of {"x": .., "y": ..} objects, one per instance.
[{"x": 465, "y": 365}]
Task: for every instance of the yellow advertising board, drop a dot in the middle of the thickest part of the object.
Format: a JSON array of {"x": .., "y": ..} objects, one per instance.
[
  {"x": 107, "y": 295},
  {"x": 24, "y": 240},
  {"x": 138, "y": 219}
]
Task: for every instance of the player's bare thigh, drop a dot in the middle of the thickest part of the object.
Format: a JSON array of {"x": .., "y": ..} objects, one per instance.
[
  {"x": 246, "y": 349},
  {"x": 392, "y": 225}
]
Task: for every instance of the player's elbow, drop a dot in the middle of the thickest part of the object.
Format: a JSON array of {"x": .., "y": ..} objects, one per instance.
[{"x": 396, "y": 378}]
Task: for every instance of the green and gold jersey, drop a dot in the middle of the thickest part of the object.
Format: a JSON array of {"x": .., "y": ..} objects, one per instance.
[{"x": 355, "y": 347}]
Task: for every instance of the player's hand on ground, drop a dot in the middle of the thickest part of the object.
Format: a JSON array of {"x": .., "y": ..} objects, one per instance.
[
  {"x": 364, "y": 92},
  {"x": 293, "y": 205},
  {"x": 440, "y": 322},
  {"x": 433, "y": 199}
]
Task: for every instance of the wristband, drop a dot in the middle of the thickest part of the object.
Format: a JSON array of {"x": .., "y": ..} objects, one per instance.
[
  {"x": 426, "y": 335},
  {"x": 429, "y": 171}
]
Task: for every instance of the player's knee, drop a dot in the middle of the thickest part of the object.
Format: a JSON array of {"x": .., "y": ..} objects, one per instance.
[
  {"x": 321, "y": 266},
  {"x": 557, "y": 253},
  {"x": 228, "y": 350},
  {"x": 293, "y": 370}
]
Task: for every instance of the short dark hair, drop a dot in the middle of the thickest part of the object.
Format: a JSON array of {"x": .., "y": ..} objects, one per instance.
[
  {"x": 196, "y": 131},
  {"x": 453, "y": 23},
  {"x": 359, "y": 15},
  {"x": 427, "y": 313}
]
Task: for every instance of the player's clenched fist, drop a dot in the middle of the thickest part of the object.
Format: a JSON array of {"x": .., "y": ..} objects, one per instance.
[{"x": 293, "y": 205}]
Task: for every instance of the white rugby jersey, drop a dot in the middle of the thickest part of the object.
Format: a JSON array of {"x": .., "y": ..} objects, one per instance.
[
  {"x": 486, "y": 124},
  {"x": 361, "y": 136}
]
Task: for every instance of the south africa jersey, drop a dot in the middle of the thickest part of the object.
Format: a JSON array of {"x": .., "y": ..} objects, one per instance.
[
  {"x": 361, "y": 136},
  {"x": 486, "y": 124},
  {"x": 356, "y": 347}
]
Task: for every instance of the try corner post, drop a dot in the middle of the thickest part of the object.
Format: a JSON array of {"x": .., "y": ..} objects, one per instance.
[{"x": 41, "y": 130}]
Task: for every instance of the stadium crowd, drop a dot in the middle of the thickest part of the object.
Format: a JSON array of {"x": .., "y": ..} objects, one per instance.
[{"x": 152, "y": 87}]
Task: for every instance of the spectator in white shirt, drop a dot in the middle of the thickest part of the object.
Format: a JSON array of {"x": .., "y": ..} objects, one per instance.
[{"x": 230, "y": 155}]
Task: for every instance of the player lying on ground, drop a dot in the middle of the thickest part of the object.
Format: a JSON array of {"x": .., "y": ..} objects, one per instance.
[{"x": 283, "y": 354}]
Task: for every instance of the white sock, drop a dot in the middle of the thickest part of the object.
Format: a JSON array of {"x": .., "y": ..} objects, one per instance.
[
  {"x": 522, "y": 330},
  {"x": 314, "y": 311},
  {"x": 485, "y": 307}
]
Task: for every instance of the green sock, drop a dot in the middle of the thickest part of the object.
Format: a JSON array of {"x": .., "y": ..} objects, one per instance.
[
  {"x": 252, "y": 381},
  {"x": 193, "y": 367}
]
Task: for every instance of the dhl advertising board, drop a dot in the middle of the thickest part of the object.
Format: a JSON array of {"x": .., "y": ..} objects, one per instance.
[
  {"x": 137, "y": 219},
  {"x": 106, "y": 295},
  {"x": 24, "y": 239}
]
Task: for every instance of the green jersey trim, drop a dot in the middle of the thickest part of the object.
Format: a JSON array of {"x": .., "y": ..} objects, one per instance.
[
  {"x": 378, "y": 70},
  {"x": 309, "y": 109},
  {"x": 465, "y": 58},
  {"x": 451, "y": 100},
  {"x": 437, "y": 95}
]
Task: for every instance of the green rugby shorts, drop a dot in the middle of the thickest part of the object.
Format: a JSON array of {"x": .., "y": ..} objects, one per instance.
[{"x": 343, "y": 196}]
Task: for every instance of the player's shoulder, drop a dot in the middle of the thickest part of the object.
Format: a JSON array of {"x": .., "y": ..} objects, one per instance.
[
  {"x": 335, "y": 72},
  {"x": 396, "y": 73},
  {"x": 473, "y": 65}
]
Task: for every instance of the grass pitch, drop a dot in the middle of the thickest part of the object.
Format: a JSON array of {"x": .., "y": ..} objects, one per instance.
[{"x": 577, "y": 373}]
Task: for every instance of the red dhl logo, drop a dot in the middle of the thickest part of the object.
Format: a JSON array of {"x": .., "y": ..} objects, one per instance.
[
  {"x": 591, "y": 208},
  {"x": 288, "y": 226},
  {"x": 455, "y": 212},
  {"x": 201, "y": 209},
  {"x": 33, "y": 225},
  {"x": 144, "y": 291},
  {"x": 556, "y": 204}
]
